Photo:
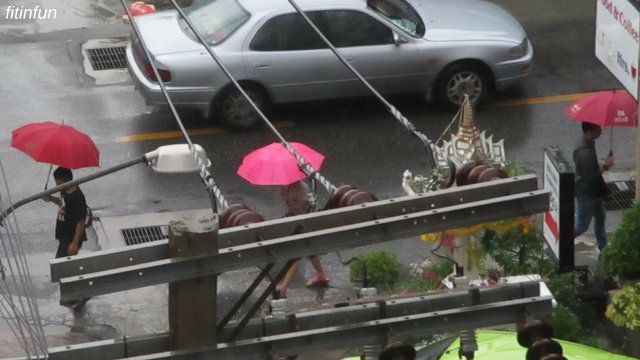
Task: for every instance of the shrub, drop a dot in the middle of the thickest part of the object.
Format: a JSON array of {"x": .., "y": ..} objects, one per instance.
[
  {"x": 624, "y": 309},
  {"x": 620, "y": 256},
  {"x": 383, "y": 270},
  {"x": 566, "y": 324},
  {"x": 517, "y": 251},
  {"x": 564, "y": 290}
]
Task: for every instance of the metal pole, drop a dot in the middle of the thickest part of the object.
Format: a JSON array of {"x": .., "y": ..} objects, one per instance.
[
  {"x": 638, "y": 150},
  {"x": 66, "y": 185},
  {"x": 245, "y": 296}
]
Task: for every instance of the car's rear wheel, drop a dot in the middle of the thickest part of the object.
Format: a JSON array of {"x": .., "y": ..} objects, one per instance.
[
  {"x": 234, "y": 109},
  {"x": 460, "y": 79}
]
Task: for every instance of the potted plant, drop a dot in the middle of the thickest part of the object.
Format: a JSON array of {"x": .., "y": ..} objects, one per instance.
[
  {"x": 620, "y": 256},
  {"x": 428, "y": 275},
  {"x": 624, "y": 311},
  {"x": 380, "y": 269}
]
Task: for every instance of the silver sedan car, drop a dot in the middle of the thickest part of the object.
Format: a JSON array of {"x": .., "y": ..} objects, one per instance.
[{"x": 441, "y": 48}]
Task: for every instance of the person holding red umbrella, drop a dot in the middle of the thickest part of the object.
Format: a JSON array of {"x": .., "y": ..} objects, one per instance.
[
  {"x": 70, "y": 220},
  {"x": 590, "y": 187}
]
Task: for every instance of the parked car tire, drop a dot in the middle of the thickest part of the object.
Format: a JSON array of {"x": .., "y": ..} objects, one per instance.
[
  {"x": 233, "y": 109},
  {"x": 460, "y": 78}
]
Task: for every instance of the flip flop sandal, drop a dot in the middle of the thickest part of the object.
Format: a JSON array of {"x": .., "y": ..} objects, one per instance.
[{"x": 316, "y": 281}]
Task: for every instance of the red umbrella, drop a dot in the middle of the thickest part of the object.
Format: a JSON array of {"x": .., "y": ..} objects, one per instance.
[
  {"x": 56, "y": 144},
  {"x": 274, "y": 165},
  {"x": 605, "y": 108}
]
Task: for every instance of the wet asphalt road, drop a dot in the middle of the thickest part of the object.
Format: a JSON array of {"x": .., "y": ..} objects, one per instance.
[{"x": 43, "y": 79}]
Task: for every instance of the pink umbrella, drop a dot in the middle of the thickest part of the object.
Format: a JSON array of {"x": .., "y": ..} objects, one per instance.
[{"x": 274, "y": 165}]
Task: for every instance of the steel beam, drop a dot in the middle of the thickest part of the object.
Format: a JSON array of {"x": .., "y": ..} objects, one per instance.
[
  {"x": 306, "y": 244},
  {"x": 317, "y": 319},
  {"x": 376, "y": 331},
  {"x": 158, "y": 250},
  {"x": 112, "y": 349}
]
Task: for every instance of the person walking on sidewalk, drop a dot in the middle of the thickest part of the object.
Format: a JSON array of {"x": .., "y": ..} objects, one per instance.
[
  {"x": 70, "y": 220},
  {"x": 295, "y": 196},
  {"x": 590, "y": 187}
]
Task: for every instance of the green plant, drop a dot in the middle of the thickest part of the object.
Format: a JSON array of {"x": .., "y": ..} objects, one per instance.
[
  {"x": 564, "y": 289},
  {"x": 428, "y": 275},
  {"x": 624, "y": 309},
  {"x": 620, "y": 256},
  {"x": 565, "y": 323},
  {"x": 382, "y": 269},
  {"x": 514, "y": 169},
  {"x": 517, "y": 251},
  {"x": 441, "y": 267}
]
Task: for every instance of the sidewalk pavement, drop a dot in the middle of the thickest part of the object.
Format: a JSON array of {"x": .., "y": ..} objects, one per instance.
[{"x": 586, "y": 249}]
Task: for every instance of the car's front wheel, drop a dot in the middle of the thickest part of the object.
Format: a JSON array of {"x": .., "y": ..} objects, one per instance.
[
  {"x": 234, "y": 109},
  {"x": 461, "y": 79}
]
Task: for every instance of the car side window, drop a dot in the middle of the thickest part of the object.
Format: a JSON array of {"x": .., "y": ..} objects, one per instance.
[
  {"x": 287, "y": 33},
  {"x": 353, "y": 28}
]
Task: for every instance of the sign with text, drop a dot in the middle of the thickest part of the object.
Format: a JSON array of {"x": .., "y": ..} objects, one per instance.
[
  {"x": 618, "y": 41},
  {"x": 557, "y": 226}
]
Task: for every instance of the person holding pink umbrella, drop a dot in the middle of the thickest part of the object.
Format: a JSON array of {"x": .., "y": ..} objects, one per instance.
[
  {"x": 273, "y": 164},
  {"x": 296, "y": 199}
]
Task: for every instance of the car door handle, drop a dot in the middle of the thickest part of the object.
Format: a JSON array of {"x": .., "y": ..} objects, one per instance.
[{"x": 261, "y": 66}]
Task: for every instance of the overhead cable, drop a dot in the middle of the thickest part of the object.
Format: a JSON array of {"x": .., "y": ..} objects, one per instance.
[
  {"x": 205, "y": 175},
  {"x": 428, "y": 144},
  {"x": 19, "y": 306},
  {"x": 304, "y": 165}
]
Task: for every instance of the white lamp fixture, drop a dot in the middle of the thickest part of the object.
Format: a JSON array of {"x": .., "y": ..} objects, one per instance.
[{"x": 177, "y": 158}]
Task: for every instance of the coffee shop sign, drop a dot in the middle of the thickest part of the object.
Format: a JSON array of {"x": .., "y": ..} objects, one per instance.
[
  {"x": 627, "y": 22},
  {"x": 618, "y": 41}
]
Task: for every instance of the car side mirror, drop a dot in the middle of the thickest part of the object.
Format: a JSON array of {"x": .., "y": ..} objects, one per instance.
[{"x": 397, "y": 39}]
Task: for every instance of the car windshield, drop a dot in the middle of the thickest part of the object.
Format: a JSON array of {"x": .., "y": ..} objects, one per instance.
[
  {"x": 400, "y": 13},
  {"x": 215, "y": 20}
]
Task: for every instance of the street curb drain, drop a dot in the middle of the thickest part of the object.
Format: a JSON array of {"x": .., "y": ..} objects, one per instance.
[
  {"x": 117, "y": 228},
  {"x": 621, "y": 195},
  {"x": 107, "y": 58},
  {"x": 144, "y": 234}
]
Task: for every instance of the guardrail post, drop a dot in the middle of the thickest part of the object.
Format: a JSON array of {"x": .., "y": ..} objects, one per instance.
[{"x": 192, "y": 303}]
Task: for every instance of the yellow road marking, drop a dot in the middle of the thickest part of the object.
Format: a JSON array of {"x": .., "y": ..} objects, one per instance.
[
  {"x": 285, "y": 124},
  {"x": 541, "y": 100},
  {"x": 195, "y": 132}
]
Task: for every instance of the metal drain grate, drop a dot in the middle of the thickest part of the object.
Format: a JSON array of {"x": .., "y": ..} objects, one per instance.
[
  {"x": 621, "y": 195},
  {"x": 108, "y": 58},
  {"x": 144, "y": 234}
]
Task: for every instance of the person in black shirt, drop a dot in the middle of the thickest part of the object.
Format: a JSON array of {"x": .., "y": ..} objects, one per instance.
[
  {"x": 72, "y": 214},
  {"x": 590, "y": 187},
  {"x": 71, "y": 219}
]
